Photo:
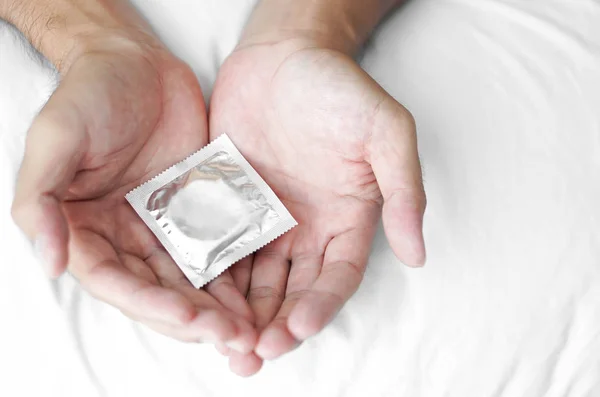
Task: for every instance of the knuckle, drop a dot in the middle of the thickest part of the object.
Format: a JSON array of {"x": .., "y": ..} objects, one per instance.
[
  {"x": 259, "y": 293},
  {"x": 354, "y": 271},
  {"x": 270, "y": 253},
  {"x": 295, "y": 296},
  {"x": 304, "y": 276},
  {"x": 410, "y": 199}
]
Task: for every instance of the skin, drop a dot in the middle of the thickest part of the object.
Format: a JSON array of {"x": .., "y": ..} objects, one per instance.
[
  {"x": 125, "y": 110},
  {"x": 335, "y": 147}
]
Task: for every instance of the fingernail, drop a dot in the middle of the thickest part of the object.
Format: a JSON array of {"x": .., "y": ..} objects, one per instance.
[
  {"x": 41, "y": 247},
  {"x": 237, "y": 345}
]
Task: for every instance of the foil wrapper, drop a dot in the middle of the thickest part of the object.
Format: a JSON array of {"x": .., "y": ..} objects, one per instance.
[{"x": 211, "y": 210}]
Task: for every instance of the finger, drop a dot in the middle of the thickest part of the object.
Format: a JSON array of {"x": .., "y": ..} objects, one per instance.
[
  {"x": 170, "y": 276},
  {"x": 95, "y": 264},
  {"x": 241, "y": 273},
  {"x": 138, "y": 267},
  {"x": 55, "y": 145},
  {"x": 223, "y": 349},
  {"x": 110, "y": 282},
  {"x": 245, "y": 339},
  {"x": 276, "y": 339},
  {"x": 224, "y": 290},
  {"x": 269, "y": 278},
  {"x": 209, "y": 326},
  {"x": 343, "y": 267},
  {"x": 245, "y": 364},
  {"x": 165, "y": 311},
  {"x": 187, "y": 332},
  {"x": 392, "y": 152}
]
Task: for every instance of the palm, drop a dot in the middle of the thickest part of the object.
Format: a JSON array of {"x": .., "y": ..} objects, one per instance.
[
  {"x": 138, "y": 120},
  {"x": 305, "y": 120},
  {"x": 304, "y": 128}
]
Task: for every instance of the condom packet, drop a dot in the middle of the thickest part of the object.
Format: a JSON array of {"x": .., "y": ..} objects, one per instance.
[{"x": 211, "y": 210}]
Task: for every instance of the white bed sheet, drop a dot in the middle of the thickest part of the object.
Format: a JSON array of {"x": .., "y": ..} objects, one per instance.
[{"x": 506, "y": 94}]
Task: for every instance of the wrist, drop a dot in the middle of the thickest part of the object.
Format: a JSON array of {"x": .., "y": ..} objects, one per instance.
[
  {"x": 120, "y": 42},
  {"x": 341, "y": 25},
  {"x": 276, "y": 21},
  {"x": 298, "y": 39},
  {"x": 63, "y": 30}
]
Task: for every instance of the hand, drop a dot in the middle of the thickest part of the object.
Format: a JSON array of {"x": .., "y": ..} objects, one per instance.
[
  {"x": 123, "y": 112},
  {"x": 335, "y": 147}
]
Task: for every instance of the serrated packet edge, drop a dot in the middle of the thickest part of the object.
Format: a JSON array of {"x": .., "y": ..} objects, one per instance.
[{"x": 138, "y": 197}]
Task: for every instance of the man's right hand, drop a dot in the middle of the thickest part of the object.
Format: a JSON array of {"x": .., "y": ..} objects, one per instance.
[{"x": 125, "y": 110}]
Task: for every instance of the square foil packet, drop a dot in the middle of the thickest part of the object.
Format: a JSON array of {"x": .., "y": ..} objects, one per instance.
[{"x": 211, "y": 210}]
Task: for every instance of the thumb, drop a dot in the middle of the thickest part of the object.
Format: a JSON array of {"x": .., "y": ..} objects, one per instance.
[
  {"x": 392, "y": 152},
  {"x": 54, "y": 147}
]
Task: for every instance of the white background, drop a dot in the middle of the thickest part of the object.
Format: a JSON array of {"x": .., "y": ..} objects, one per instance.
[{"x": 507, "y": 100}]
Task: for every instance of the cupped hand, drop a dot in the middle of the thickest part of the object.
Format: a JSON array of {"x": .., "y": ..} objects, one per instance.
[
  {"x": 335, "y": 147},
  {"x": 122, "y": 113}
]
